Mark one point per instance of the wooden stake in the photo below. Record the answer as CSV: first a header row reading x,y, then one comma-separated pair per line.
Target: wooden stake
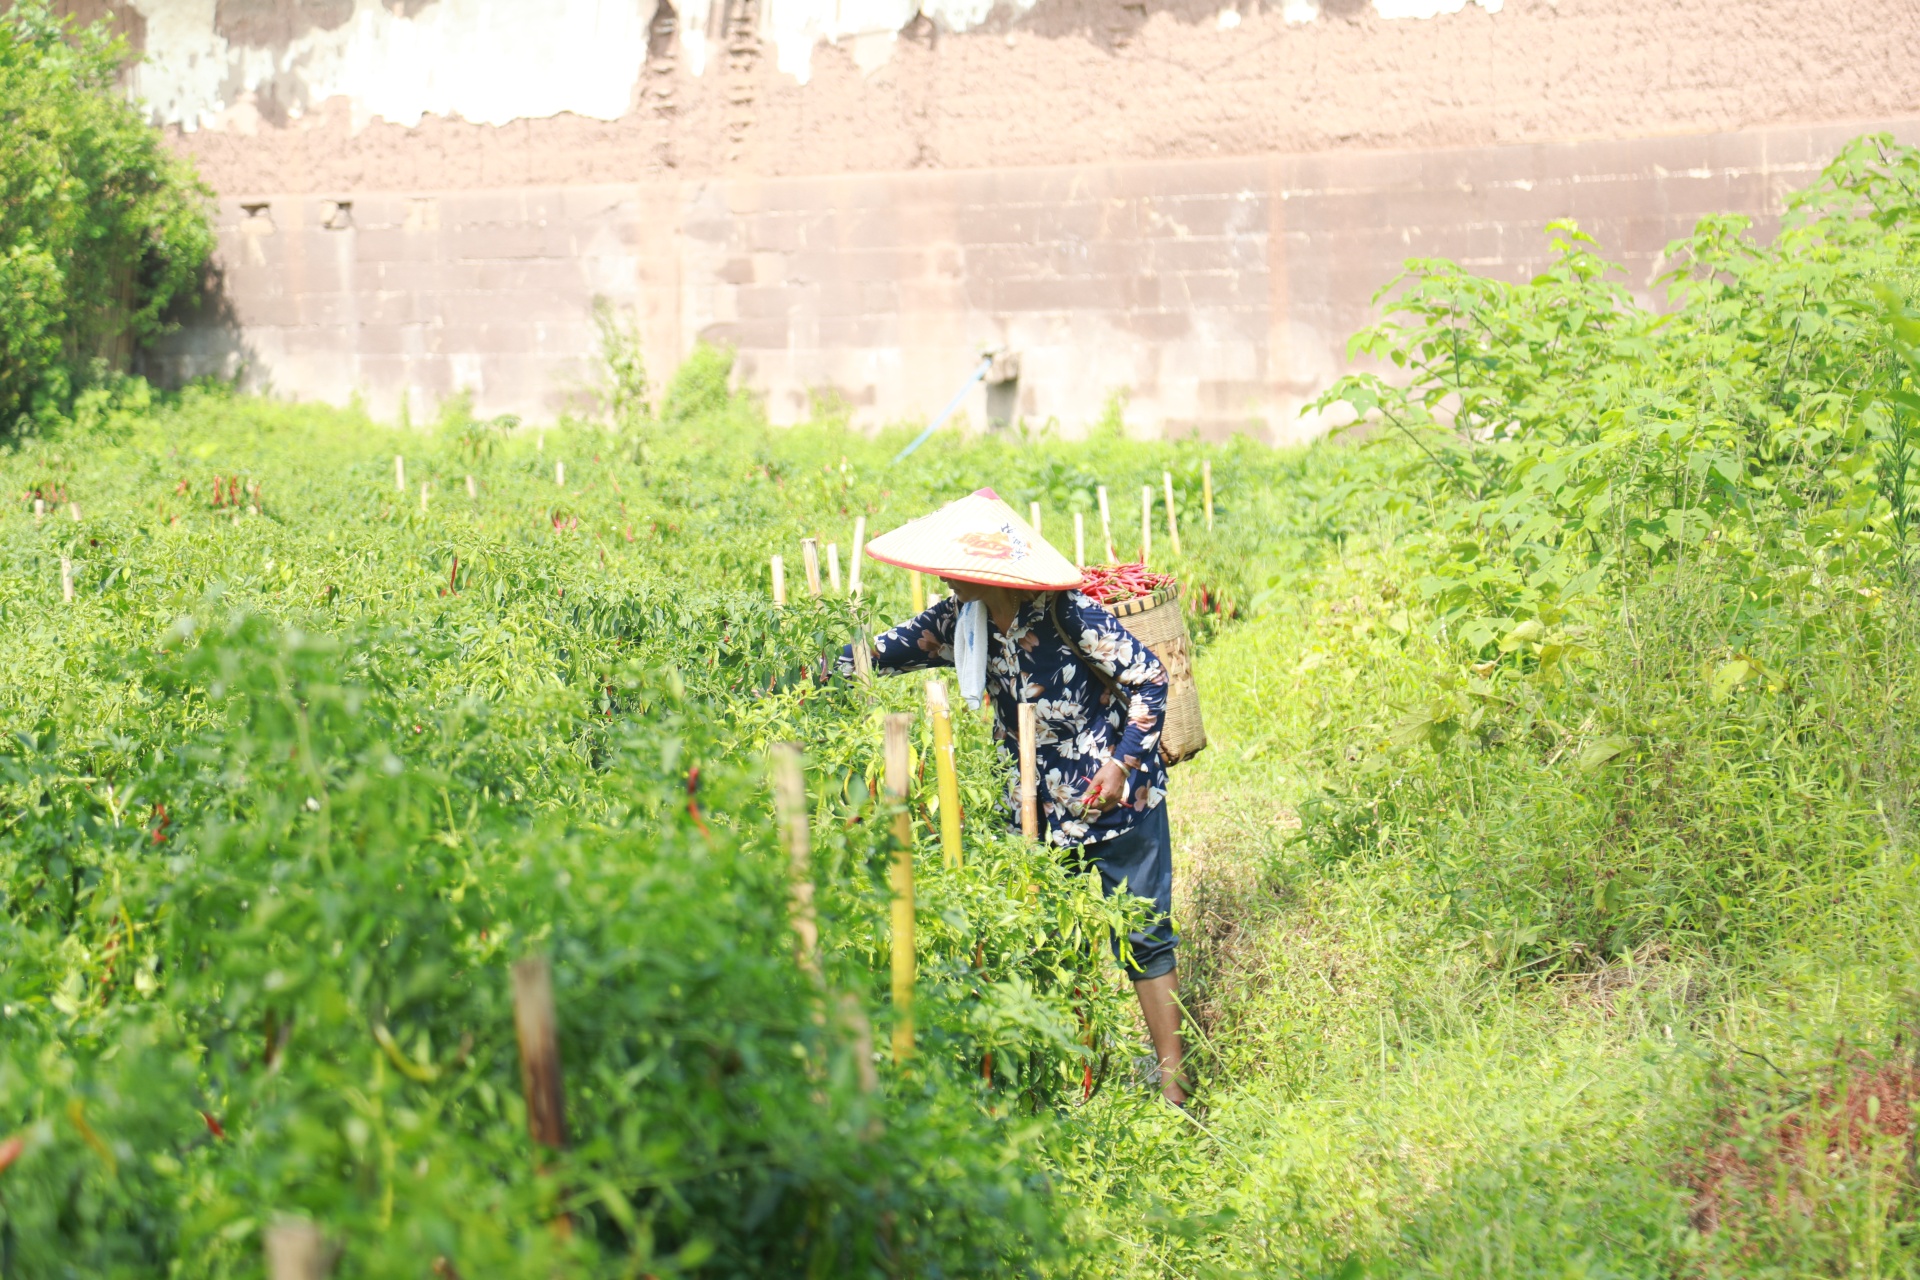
x,y
899,764
1106,523
1146,523
1033,516
537,1030
810,557
1079,541
859,542
423,495
862,655
854,1018
1029,775
943,766
73,509
917,588
39,510
1173,525
779,583
473,490
790,814
296,1251
66,579
1206,490
399,473
833,566
559,475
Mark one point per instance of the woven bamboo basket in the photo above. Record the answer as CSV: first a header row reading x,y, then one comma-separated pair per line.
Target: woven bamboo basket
x,y
1158,622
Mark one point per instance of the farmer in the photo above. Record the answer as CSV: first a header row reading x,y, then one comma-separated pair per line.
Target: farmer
x,y
1099,699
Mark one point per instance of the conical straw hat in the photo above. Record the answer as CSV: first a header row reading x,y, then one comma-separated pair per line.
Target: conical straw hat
x,y
977,538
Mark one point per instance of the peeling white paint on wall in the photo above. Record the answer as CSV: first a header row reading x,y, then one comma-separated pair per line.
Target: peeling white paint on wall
x,y
1429,8
492,63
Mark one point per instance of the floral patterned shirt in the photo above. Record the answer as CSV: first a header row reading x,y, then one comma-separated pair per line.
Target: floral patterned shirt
x,y
1079,725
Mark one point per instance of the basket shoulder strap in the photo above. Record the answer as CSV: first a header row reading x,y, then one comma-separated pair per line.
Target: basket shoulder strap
x,y
1099,672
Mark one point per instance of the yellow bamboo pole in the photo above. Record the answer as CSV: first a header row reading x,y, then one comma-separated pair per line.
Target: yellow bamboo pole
x,y
941,715
1029,775
790,814
901,944
917,586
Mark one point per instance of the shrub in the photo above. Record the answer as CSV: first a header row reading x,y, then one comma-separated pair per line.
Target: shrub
x,y
100,227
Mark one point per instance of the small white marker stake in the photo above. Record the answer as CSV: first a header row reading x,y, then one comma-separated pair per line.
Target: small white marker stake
x,y
560,475
473,490
833,566
810,558
39,509
399,473
1173,525
73,509
1079,541
423,495
66,579
779,583
859,541
1106,523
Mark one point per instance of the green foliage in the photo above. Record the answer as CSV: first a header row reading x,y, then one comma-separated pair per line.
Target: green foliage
x,y
100,226
304,766
700,386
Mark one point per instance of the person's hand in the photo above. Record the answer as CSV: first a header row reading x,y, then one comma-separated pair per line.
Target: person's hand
x,y
1106,789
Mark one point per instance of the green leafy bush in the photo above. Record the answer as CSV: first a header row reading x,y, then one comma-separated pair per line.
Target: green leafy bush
x,y
100,226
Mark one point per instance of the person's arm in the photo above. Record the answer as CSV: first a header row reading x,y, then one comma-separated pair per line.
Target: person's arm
x,y
1105,642
916,644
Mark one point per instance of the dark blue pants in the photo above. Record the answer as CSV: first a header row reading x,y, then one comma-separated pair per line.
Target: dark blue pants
x,y
1141,858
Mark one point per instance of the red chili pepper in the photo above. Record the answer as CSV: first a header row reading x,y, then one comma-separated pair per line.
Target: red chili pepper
x,y
213,1126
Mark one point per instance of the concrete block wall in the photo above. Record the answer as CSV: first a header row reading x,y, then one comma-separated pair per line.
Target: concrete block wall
x,y
1218,294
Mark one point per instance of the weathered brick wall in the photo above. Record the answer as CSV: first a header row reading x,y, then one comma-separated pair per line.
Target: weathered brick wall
x,y
1218,293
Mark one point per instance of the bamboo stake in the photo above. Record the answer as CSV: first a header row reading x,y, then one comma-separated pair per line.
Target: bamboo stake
x,y
1146,522
1206,490
535,1027
833,566
66,579
917,588
423,495
810,557
73,509
862,655
1033,516
790,813
1106,523
943,765
1079,541
859,542
399,473
296,1251
779,583
854,1018
39,510
1173,526
1029,775
559,475
473,490
898,725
